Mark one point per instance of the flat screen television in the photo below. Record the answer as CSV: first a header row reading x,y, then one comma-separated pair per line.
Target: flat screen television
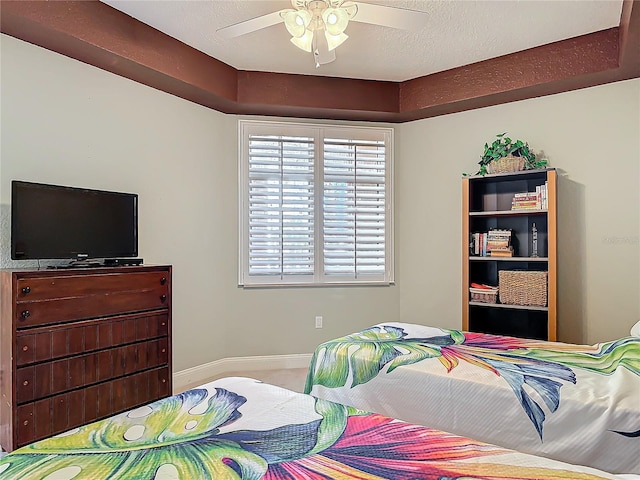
x,y
58,222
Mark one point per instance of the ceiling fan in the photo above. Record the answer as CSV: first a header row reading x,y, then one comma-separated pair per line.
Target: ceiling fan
x,y
318,26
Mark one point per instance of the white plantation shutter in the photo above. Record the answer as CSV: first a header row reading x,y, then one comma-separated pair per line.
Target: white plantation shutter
x,y
281,216
315,204
354,208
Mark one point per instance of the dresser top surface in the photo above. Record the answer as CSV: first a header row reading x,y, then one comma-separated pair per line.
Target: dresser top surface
x,y
57,272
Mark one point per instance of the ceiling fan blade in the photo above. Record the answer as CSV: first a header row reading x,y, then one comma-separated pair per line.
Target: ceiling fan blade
x,y
393,17
251,25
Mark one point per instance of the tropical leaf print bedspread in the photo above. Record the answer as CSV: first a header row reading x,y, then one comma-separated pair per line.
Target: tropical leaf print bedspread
x,y
575,403
239,428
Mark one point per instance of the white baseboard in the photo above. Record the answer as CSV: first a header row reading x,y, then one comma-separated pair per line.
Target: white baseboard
x,y
229,366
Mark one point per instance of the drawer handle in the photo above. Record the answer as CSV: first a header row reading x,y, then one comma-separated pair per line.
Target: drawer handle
x,y
25,383
163,323
26,290
25,348
164,350
164,380
163,280
25,423
25,314
163,298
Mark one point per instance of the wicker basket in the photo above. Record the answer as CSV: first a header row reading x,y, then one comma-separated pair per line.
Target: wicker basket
x,y
506,164
521,287
483,295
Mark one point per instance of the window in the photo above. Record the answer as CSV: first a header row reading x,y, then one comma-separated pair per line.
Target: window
x,y
315,204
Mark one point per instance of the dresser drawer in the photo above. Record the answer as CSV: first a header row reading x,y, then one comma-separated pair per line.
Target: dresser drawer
x,y
55,287
30,314
53,415
48,343
51,378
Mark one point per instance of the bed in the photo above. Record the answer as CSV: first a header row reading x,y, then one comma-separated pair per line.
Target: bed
x,y
575,403
239,428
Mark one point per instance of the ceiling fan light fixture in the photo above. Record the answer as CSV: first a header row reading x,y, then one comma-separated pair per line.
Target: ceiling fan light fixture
x,y
304,42
335,20
334,41
296,21
318,26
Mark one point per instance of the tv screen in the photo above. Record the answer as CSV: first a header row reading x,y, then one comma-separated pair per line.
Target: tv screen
x,y
57,222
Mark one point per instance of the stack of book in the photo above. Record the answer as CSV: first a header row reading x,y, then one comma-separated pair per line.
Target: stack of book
x,y
494,243
531,200
499,243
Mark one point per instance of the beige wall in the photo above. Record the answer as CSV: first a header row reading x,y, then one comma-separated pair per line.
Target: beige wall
x,y
69,123
593,137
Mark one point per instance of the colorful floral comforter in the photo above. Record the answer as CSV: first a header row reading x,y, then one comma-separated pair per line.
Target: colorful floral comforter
x,y
239,428
574,403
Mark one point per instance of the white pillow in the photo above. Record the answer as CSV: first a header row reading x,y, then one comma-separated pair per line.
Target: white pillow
x,y
635,330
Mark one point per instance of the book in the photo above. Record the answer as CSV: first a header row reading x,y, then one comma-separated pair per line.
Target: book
x,y
526,195
483,243
525,207
496,245
502,252
529,200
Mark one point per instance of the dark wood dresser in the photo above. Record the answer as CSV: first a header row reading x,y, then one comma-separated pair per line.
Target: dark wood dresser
x,y
79,345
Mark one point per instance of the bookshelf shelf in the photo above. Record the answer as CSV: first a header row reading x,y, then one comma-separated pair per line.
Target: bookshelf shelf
x,y
509,213
474,258
487,203
514,307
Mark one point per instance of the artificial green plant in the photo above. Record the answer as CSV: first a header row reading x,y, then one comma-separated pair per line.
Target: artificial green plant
x,y
503,147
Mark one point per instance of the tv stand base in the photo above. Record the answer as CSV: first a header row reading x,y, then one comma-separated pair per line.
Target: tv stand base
x,y
77,264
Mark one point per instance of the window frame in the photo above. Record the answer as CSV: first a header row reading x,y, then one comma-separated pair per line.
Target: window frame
x,y
318,132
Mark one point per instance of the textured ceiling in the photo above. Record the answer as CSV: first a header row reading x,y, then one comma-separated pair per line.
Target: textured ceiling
x,y
455,33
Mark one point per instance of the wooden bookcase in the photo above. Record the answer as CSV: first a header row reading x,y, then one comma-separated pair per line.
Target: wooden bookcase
x,y
486,204
79,345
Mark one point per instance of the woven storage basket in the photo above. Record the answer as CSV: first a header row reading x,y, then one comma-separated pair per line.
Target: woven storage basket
x,y
520,287
483,295
506,164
